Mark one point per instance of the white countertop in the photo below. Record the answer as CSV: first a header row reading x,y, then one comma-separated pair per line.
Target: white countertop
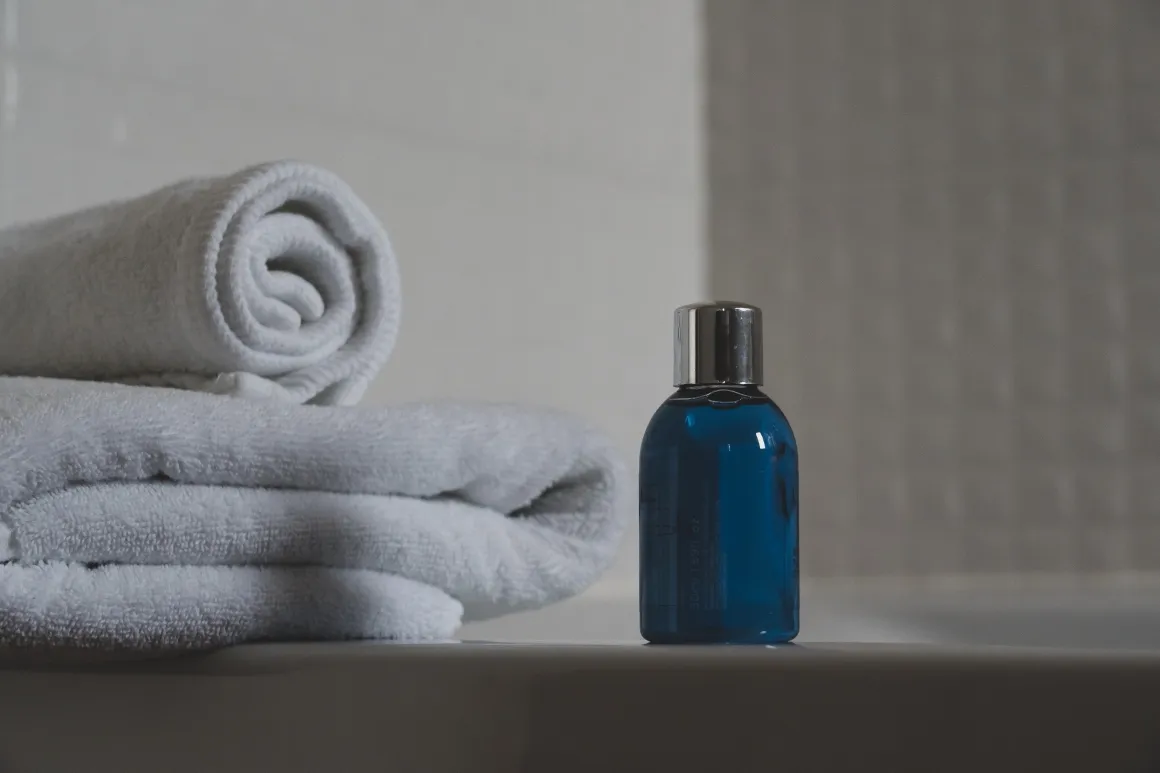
x,y
563,707
573,688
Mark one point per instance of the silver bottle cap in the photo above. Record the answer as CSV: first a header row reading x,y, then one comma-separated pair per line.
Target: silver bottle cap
x,y
717,343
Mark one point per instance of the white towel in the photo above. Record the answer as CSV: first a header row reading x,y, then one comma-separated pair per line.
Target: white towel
x,y
199,607
138,517
276,281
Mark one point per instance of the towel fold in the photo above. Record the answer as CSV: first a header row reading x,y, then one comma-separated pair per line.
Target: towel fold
x,y
200,607
215,521
276,281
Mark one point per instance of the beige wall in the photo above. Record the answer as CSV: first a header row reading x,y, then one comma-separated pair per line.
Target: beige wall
x,y
949,211
536,162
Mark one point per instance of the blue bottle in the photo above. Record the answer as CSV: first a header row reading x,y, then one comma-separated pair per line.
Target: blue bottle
x,y
718,492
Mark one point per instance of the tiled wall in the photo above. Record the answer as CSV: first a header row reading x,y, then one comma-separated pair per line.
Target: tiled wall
x,y
950,211
535,162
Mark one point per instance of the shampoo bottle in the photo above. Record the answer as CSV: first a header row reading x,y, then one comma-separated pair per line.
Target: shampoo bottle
x,y
718,492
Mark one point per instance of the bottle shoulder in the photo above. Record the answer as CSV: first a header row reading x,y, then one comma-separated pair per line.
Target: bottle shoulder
x,y
722,415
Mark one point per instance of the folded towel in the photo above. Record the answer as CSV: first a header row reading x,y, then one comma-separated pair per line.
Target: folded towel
x,y
411,510
200,607
276,281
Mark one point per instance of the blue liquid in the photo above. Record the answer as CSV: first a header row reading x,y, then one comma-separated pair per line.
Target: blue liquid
x,y
718,520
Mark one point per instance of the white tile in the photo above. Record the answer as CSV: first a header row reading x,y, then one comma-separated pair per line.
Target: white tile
x,y
881,380
1097,311
986,438
878,440
604,85
1039,434
935,496
1097,374
1100,434
1026,136
1102,496
1044,494
931,380
931,439
1144,431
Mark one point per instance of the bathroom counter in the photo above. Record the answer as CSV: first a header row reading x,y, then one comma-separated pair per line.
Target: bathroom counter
x,y
543,707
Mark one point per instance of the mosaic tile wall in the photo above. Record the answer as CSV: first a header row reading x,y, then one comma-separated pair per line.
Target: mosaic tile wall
x,y
950,212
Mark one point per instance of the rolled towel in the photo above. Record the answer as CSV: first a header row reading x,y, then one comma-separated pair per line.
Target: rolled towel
x,y
276,281
421,507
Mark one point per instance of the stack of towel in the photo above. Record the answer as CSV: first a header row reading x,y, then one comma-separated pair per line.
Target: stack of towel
x,y
179,464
